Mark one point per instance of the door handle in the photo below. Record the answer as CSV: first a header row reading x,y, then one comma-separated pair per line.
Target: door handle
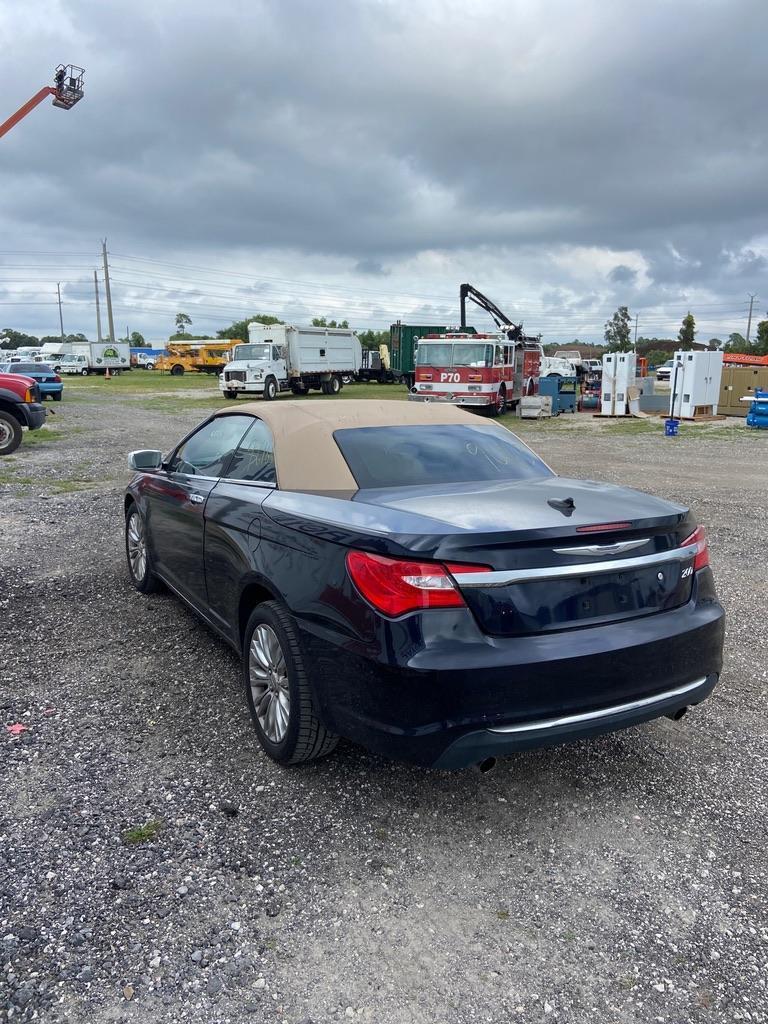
x,y
196,499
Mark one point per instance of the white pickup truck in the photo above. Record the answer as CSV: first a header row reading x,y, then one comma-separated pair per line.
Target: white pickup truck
x,y
285,358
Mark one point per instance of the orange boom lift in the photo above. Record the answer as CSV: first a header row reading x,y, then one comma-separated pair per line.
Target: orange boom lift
x,y
67,90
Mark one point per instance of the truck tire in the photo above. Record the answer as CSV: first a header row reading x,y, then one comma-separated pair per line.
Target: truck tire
x,y
10,433
177,370
500,406
270,389
325,387
334,385
149,366
230,394
84,372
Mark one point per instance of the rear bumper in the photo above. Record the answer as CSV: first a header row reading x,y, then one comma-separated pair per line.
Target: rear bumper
x,y
50,389
476,746
435,691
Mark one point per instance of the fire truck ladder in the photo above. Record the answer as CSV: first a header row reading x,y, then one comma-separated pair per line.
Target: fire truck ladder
x,y
467,291
67,90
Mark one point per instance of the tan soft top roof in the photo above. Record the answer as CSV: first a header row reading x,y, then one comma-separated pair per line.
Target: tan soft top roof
x,y
306,456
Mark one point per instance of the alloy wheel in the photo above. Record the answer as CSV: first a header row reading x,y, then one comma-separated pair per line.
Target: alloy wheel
x,y
5,435
268,677
137,548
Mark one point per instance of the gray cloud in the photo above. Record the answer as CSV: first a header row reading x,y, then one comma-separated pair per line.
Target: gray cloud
x,y
344,138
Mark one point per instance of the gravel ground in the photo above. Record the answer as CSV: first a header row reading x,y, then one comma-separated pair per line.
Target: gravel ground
x,y
621,880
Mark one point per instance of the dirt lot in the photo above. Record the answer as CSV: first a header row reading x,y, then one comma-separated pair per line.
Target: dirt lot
x,y
621,880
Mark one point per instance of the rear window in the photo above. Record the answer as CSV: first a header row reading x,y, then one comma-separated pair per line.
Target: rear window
x,y
452,454
29,368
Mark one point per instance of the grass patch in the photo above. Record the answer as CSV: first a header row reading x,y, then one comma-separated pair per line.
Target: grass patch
x,y
42,435
142,833
137,381
9,478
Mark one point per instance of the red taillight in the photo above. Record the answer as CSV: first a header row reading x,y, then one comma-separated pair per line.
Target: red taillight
x,y
395,586
56,379
699,538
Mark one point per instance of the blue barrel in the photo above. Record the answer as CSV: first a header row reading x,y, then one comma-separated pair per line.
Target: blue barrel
x,y
671,428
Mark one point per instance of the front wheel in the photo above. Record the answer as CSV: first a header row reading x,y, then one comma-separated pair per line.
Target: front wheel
x,y
177,370
137,553
230,394
10,433
84,372
270,389
500,408
277,689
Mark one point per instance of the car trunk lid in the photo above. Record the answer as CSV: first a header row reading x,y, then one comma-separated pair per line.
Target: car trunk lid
x,y
563,553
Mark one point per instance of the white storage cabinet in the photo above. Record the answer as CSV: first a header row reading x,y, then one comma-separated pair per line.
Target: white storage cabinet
x,y
618,375
698,383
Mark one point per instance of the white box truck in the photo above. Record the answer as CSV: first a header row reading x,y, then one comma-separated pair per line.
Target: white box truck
x,y
96,357
285,358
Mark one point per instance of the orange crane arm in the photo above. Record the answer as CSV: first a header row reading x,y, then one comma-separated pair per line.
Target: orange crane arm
x,y
14,119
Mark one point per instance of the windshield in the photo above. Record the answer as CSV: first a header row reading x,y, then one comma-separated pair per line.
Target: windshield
x,y
252,352
472,355
446,454
460,353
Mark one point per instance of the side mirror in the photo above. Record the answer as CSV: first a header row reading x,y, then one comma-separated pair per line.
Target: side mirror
x,y
145,460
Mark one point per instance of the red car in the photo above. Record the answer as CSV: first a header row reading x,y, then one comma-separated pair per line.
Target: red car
x,y
20,406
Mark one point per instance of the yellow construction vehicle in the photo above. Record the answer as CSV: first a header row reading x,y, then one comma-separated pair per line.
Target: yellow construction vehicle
x,y
183,358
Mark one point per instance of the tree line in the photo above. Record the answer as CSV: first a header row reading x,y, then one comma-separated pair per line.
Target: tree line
x,y
618,338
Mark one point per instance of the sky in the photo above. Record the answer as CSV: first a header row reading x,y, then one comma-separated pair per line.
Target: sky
x,y
360,159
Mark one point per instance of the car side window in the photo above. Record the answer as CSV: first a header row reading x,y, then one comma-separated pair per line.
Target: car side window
x,y
209,449
255,456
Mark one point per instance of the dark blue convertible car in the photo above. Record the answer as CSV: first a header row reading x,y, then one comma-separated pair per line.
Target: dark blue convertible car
x,y
417,580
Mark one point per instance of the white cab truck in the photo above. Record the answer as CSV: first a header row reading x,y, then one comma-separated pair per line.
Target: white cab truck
x,y
95,357
285,358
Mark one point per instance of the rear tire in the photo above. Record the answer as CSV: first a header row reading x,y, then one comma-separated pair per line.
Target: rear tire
x,y
57,396
10,433
334,385
277,689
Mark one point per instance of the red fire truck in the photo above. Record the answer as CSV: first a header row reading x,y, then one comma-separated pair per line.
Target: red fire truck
x,y
483,371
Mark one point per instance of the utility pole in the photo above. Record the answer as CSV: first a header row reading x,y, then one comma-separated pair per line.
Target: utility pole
x,y
108,293
61,318
749,319
98,313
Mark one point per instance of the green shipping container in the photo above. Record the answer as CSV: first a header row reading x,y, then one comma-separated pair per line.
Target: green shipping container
x,y
402,342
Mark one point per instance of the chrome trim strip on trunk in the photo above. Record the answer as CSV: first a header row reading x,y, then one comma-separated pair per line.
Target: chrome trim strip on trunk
x,y
505,577
594,716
